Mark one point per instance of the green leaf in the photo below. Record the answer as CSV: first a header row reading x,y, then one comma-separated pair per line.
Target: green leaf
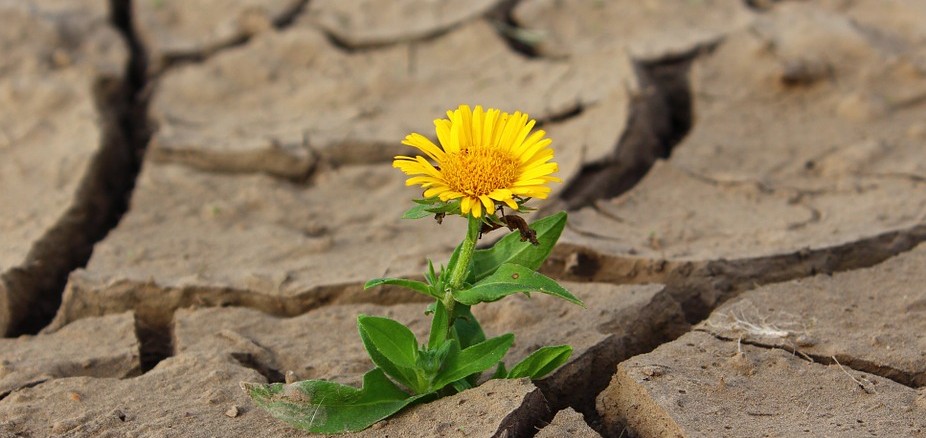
x,y
541,362
392,347
431,206
414,285
511,279
467,327
445,207
318,406
500,371
461,385
418,211
440,325
469,332
510,249
431,276
475,359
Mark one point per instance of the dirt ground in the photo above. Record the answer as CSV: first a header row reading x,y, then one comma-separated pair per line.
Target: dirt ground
x,y
193,193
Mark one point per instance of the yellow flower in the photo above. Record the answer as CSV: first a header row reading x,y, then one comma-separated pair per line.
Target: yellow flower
x,y
485,157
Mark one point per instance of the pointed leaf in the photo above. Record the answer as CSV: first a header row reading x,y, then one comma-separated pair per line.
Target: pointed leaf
x,y
510,249
318,406
511,279
418,211
500,371
445,207
541,362
391,338
414,285
429,207
431,276
475,359
468,331
466,326
440,326
461,385
392,347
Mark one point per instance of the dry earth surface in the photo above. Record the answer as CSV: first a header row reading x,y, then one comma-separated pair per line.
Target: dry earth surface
x,y
193,194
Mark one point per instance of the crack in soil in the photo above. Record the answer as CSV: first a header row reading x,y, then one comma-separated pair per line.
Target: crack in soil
x,y
519,39
283,21
355,48
155,342
102,196
910,380
154,306
528,418
660,117
703,285
32,384
251,361
578,383
761,5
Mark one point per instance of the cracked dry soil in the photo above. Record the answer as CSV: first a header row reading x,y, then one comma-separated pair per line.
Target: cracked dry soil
x,y
194,192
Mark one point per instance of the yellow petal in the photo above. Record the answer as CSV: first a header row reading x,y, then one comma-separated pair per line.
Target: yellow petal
x,y
512,125
428,168
421,180
489,126
522,135
442,128
450,194
490,206
528,143
500,194
425,145
466,204
529,152
435,191
455,127
476,128
538,171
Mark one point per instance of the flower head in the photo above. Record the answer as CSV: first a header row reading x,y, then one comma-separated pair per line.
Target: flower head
x,y
485,157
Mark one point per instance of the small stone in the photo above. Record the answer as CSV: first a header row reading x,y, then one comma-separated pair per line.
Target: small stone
x,y
232,412
653,371
291,377
741,363
805,341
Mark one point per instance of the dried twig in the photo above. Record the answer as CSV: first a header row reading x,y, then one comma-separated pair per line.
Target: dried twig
x,y
857,381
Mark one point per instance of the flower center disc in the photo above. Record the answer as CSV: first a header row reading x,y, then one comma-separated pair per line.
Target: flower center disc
x,y
479,171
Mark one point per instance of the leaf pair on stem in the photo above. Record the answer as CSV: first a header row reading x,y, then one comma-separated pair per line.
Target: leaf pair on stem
x,y
456,353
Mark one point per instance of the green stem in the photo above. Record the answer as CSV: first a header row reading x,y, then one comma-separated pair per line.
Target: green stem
x,y
461,268
466,253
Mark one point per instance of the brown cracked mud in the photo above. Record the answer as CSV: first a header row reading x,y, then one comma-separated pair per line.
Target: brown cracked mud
x,y
193,194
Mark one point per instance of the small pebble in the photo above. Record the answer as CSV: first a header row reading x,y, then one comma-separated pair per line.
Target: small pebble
x,y
232,412
291,377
